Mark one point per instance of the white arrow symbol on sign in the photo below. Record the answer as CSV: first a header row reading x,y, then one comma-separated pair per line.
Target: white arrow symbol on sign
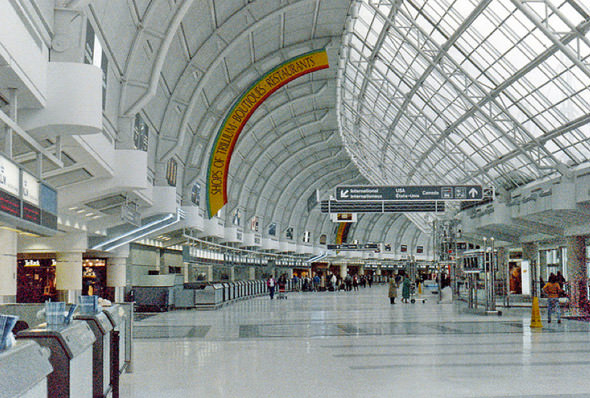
x,y
344,194
473,192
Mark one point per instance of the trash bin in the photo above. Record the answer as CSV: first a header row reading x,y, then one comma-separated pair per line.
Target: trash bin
x,y
24,368
71,358
101,326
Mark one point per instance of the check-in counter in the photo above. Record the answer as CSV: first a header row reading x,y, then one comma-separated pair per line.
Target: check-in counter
x,y
71,358
226,296
120,316
157,291
211,297
232,290
240,289
184,298
250,288
101,326
24,368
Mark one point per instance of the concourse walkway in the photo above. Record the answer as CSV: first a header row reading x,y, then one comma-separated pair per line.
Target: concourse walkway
x,y
355,344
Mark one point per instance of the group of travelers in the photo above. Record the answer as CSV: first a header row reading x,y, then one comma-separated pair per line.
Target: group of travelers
x,y
271,284
394,283
334,282
331,282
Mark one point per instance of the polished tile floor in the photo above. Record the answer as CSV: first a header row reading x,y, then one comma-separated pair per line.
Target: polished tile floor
x,y
355,344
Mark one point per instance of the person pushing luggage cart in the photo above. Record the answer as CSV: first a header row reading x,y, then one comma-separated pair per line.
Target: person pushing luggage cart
x,y
282,282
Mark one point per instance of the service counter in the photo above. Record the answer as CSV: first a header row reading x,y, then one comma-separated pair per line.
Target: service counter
x,y
101,326
241,289
71,357
226,295
232,290
121,316
211,297
157,291
24,368
184,298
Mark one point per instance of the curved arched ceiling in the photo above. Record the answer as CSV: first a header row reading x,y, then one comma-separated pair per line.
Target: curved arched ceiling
x,y
492,91
418,92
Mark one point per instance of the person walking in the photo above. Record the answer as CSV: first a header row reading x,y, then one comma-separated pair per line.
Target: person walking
x,y
405,289
553,290
333,282
316,283
348,282
355,282
392,290
271,283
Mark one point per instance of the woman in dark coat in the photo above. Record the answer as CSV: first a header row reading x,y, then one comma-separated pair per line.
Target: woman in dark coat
x,y
405,289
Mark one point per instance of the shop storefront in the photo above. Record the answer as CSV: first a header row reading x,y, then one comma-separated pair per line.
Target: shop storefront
x,y
35,278
36,275
94,276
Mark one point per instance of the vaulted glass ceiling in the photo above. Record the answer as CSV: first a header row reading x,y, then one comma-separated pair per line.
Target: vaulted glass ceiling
x,y
466,91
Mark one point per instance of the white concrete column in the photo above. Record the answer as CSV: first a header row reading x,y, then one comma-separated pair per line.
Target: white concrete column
x,y
361,270
232,274
252,273
343,271
117,276
185,270
8,250
378,270
209,273
68,249
68,275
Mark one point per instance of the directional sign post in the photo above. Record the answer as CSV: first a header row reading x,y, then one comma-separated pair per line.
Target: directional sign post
x,y
352,246
409,193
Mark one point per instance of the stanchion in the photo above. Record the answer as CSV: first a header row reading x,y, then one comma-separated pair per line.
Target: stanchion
x,y
115,363
536,314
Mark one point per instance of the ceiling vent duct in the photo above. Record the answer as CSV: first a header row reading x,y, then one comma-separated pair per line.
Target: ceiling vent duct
x,y
317,258
141,232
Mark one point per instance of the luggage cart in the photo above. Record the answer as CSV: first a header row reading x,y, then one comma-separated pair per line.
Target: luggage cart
x,y
412,271
414,295
281,293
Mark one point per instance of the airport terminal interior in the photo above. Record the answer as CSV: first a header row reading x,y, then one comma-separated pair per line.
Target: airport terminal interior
x,y
298,198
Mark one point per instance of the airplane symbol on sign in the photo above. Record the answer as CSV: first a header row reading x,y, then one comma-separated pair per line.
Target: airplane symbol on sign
x,y
473,193
344,194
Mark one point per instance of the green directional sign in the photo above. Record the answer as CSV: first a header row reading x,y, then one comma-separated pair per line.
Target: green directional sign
x,y
409,193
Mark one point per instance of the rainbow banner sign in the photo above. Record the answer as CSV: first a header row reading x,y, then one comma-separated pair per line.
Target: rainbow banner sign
x,y
243,108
